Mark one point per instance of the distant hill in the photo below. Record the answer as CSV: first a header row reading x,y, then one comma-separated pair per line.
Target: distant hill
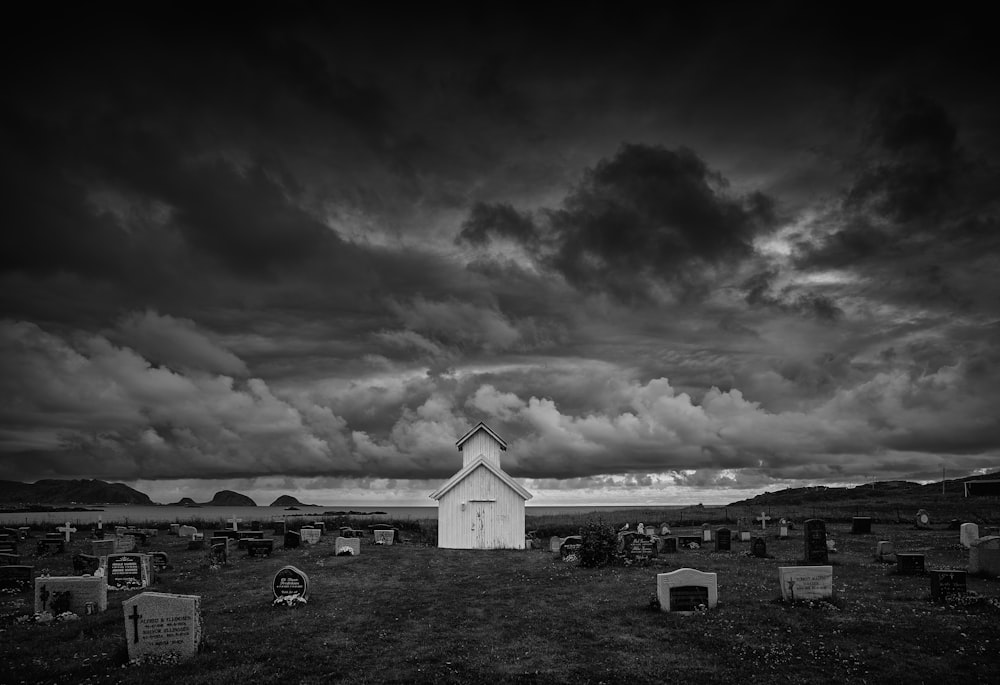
x,y
184,502
228,498
70,491
286,501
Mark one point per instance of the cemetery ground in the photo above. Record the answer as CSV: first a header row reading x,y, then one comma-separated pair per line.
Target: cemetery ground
x,y
414,613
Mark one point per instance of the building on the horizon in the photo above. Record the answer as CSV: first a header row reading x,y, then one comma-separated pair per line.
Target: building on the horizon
x,y
481,507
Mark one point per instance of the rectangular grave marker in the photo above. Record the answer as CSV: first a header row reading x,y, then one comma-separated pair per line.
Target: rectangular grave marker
x,y
909,563
984,556
814,540
158,624
641,551
384,537
885,551
310,536
805,583
969,533
723,540
946,582
128,571
353,544
260,548
686,590
57,594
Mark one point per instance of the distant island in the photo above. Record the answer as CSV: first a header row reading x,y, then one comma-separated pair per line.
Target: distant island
x,y
223,498
289,501
48,492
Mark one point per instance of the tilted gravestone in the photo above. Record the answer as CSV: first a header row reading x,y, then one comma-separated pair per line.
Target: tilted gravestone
x,y
969,534
723,540
159,624
805,583
814,541
909,563
290,581
218,553
16,578
80,594
341,545
861,525
128,571
946,583
687,590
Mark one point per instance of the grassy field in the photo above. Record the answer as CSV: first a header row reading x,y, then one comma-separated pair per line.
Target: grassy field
x,y
414,613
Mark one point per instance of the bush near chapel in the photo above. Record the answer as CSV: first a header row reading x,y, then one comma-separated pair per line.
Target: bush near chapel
x,y
600,543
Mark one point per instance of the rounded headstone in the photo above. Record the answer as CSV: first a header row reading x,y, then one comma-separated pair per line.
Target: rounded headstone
x,y
290,580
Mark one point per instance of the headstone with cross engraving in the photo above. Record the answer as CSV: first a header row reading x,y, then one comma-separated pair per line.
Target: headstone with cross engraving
x,y
763,518
159,624
234,521
68,530
79,594
804,583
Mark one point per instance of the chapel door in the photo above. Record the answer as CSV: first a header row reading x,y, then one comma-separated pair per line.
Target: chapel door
x,y
482,525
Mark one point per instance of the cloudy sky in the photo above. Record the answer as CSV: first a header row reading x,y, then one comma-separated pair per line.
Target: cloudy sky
x,y
670,257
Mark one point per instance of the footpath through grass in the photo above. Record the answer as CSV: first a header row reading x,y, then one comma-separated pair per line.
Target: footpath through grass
x,y
408,613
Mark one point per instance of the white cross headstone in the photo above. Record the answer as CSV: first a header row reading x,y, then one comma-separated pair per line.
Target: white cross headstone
x,y
67,529
234,521
763,518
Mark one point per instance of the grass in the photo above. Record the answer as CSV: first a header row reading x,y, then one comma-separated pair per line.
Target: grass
x,y
414,613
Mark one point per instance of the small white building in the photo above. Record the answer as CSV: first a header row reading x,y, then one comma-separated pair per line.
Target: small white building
x,y
481,507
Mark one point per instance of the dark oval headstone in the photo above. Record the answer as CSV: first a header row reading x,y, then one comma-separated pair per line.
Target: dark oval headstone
x,y
290,580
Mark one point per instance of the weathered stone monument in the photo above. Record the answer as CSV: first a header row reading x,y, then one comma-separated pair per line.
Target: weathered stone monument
x,y
128,571
984,556
158,624
804,583
343,544
687,590
384,537
969,534
923,520
885,551
80,594
310,536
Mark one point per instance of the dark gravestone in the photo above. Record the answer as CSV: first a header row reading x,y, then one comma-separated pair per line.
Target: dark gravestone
x,y
686,541
218,554
909,563
17,578
668,545
85,564
292,539
290,581
260,548
861,525
571,546
227,533
758,548
723,540
125,572
160,561
814,539
642,550
49,546
945,583
688,597
8,559
279,527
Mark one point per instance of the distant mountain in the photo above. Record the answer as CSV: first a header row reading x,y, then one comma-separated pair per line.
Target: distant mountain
x,y
228,498
184,502
70,491
286,501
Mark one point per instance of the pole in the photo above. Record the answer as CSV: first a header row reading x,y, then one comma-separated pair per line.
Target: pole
x,y
942,479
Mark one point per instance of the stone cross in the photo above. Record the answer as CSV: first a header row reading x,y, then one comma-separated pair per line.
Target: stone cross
x,y
234,521
67,529
763,518
135,622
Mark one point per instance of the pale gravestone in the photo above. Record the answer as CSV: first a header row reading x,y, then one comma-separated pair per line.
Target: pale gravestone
x,y
969,534
344,544
384,537
814,540
687,590
186,531
234,521
310,536
804,583
68,530
128,571
783,529
290,582
555,542
706,533
124,544
763,518
80,594
158,624
984,556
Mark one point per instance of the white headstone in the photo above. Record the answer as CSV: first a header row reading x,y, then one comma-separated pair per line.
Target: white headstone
x,y
805,582
384,537
310,536
353,544
159,624
68,530
235,521
969,533
763,518
687,589
186,531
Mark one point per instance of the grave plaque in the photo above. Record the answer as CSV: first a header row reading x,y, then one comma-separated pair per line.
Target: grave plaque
x,y
814,540
861,525
57,594
969,534
642,550
354,544
804,583
384,537
292,539
85,564
706,533
124,544
909,563
946,582
758,548
310,536
290,581
687,589
158,624
260,548
128,571
723,540
16,578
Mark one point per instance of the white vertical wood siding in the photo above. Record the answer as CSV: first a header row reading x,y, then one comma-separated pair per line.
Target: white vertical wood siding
x,y
481,444
493,517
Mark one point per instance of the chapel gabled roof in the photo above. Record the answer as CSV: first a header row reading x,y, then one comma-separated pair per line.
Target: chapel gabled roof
x,y
480,461
481,426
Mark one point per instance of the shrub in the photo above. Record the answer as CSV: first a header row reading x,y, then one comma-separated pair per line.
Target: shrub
x,y
600,541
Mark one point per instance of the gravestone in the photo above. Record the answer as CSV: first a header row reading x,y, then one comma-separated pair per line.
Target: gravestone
x,y
85,564
68,530
571,546
923,521
814,540
641,551
763,518
885,551
16,578
160,561
279,526
234,522
782,530
969,534
667,545
48,546
310,536
555,542
758,547
218,554
124,544
159,624
745,536
723,540
686,590
292,539
384,537
186,531
909,563
196,543
102,548
946,582
342,544
290,581
706,533
175,529
984,556
805,583
260,548
861,525
128,571
82,595
686,541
